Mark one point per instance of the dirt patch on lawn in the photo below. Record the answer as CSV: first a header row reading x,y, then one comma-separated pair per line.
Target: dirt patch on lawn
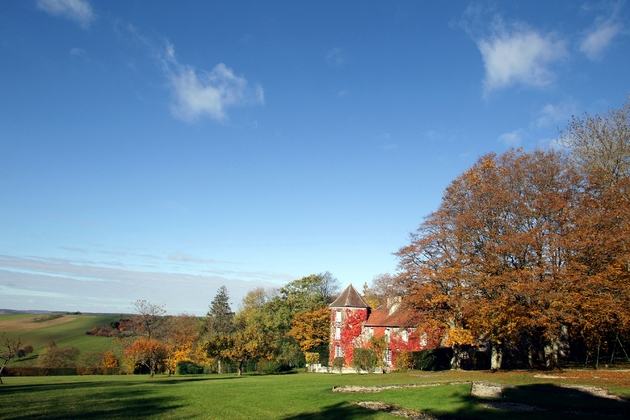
x,y
29,323
395,410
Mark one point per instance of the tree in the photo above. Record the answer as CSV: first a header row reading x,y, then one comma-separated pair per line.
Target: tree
x,y
311,329
9,350
57,357
329,285
218,324
150,317
146,352
600,144
180,339
491,262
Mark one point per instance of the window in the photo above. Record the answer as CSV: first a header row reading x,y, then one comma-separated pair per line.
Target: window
x,y
387,334
338,316
388,357
337,333
405,335
371,331
337,351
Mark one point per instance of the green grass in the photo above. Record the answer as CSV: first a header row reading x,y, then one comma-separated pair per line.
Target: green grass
x,y
289,396
69,333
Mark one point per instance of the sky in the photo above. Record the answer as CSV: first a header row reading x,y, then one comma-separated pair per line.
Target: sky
x,y
158,150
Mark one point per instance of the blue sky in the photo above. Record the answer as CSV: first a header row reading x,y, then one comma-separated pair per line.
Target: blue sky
x,y
158,150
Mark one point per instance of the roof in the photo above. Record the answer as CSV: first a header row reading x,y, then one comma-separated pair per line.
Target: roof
x,y
389,317
349,298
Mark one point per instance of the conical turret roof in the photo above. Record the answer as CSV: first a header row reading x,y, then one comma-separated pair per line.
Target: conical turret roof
x,y
349,298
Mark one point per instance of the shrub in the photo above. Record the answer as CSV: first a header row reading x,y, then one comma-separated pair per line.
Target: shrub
x,y
338,363
433,359
364,359
185,367
404,360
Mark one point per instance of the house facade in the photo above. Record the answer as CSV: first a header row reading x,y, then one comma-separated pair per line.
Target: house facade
x,y
353,324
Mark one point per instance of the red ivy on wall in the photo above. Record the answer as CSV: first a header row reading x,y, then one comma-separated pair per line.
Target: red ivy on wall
x,y
350,331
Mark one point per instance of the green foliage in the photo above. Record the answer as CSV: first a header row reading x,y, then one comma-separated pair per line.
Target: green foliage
x,y
433,359
365,359
185,367
220,318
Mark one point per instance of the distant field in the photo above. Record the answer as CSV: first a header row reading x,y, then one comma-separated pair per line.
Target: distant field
x,y
309,396
66,330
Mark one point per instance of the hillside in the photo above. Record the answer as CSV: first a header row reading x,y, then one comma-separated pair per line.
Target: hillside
x,y
40,329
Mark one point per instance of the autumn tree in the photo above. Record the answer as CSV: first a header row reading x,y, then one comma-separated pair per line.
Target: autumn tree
x,y
146,352
311,329
180,337
9,348
491,262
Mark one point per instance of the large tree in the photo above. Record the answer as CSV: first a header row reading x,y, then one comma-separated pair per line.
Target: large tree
x,y
490,263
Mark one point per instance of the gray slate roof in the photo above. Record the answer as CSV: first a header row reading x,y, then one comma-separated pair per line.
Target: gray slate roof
x,y
349,298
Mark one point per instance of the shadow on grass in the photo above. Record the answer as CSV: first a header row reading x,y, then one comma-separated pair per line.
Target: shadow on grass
x,y
94,404
539,401
340,411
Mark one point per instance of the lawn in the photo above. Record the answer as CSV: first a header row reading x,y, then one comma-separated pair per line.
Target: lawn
x,y
303,396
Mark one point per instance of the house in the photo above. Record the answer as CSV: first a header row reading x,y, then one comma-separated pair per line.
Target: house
x,y
354,323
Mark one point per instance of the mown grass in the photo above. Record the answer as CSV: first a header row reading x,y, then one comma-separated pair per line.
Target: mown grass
x,y
293,396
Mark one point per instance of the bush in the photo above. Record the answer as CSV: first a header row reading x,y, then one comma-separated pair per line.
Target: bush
x,y
364,359
338,363
433,359
185,367
404,360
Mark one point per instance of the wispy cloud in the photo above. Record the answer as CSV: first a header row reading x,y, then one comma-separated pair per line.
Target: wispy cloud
x,y
60,284
512,139
517,54
597,38
555,113
187,258
78,11
199,93
335,57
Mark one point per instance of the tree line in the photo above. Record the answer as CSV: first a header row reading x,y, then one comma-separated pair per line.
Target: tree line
x,y
528,253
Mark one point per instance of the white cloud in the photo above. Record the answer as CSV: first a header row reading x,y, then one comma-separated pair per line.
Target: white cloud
x,y
554,113
200,93
601,34
511,139
519,55
79,11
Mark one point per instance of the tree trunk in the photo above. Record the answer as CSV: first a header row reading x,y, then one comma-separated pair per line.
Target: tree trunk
x,y
219,370
456,360
551,354
240,368
599,345
496,357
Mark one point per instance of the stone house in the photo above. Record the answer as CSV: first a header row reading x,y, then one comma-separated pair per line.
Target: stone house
x,y
353,324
